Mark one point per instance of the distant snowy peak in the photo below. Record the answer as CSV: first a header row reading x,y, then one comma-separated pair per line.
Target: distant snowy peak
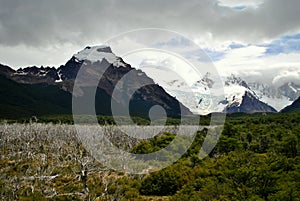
x,y
241,98
249,104
99,53
201,97
290,90
207,80
176,84
235,88
265,90
233,80
200,86
278,97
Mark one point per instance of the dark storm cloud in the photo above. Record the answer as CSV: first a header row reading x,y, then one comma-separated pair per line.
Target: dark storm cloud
x,y
44,22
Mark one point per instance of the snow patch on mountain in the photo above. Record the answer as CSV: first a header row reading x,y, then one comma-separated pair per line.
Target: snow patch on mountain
x,y
20,73
291,87
98,53
59,77
271,95
234,94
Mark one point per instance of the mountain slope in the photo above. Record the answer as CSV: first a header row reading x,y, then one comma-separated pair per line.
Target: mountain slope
x,y
23,100
250,104
294,107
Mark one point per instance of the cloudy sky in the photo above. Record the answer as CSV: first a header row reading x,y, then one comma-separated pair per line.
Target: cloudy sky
x,y
254,38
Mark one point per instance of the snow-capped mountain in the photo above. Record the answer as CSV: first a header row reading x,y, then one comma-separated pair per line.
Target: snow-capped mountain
x,y
277,97
202,98
239,97
68,71
271,95
196,97
98,53
292,91
94,61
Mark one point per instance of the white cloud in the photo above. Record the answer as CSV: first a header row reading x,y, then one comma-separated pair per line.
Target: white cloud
x,y
24,56
287,76
169,65
253,65
40,24
241,59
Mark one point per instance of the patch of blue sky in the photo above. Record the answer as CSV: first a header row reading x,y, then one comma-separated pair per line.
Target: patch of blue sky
x,y
206,55
285,44
236,46
214,55
239,7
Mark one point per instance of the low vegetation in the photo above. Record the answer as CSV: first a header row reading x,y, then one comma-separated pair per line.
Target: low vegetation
x,y
256,158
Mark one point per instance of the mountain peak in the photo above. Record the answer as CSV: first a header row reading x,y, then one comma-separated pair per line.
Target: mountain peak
x,y
99,53
232,79
100,48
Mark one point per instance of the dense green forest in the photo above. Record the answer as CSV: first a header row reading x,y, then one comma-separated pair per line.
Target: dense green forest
x,y
257,158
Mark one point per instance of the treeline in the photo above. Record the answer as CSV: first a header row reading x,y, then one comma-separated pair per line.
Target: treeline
x,y
109,120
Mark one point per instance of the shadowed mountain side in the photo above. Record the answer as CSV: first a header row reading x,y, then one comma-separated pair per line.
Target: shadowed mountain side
x,y
294,107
